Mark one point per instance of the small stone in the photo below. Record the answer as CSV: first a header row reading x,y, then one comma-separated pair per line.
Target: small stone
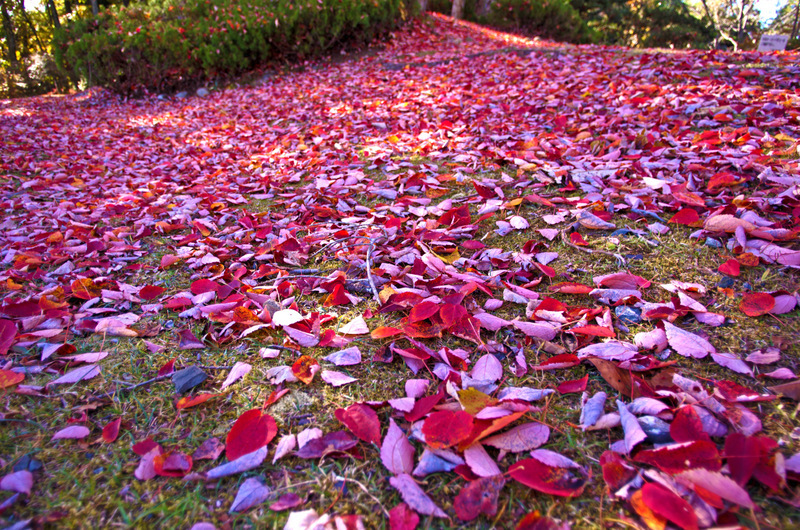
x,y
713,243
747,287
628,315
202,92
188,378
726,282
656,429
182,95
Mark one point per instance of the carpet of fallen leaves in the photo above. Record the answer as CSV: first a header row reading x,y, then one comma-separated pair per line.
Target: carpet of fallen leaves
x,y
458,207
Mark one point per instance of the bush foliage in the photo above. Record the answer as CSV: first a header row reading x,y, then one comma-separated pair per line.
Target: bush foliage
x,y
549,19
169,45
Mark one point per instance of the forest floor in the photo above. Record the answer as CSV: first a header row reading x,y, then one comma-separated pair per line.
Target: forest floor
x,y
469,280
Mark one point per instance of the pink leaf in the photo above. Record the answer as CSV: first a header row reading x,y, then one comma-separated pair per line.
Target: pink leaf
x,y
520,438
347,357
397,453
238,371
686,343
334,378
19,481
8,331
480,462
717,483
487,368
633,431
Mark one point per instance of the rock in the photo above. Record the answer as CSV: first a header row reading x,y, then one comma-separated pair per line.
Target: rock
x,y
181,95
202,92
656,429
713,243
628,315
726,282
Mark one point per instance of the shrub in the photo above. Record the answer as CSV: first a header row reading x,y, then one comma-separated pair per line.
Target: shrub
x,y
171,44
550,19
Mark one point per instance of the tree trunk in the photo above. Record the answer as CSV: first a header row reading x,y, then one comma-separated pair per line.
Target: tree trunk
x,y
423,6
95,8
11,47
27,18
458,9
51,9
796,15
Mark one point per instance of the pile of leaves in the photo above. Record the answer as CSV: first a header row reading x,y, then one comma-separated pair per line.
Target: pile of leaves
x,y
460,280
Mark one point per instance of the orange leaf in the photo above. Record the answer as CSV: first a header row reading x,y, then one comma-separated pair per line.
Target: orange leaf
x,y
191,401
304,368
9,378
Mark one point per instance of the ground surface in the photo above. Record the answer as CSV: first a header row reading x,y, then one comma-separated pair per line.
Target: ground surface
x,y
489,234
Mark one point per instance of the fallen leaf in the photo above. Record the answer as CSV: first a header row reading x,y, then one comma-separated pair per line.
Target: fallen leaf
x,y
414,497
251,493
251,431
478,497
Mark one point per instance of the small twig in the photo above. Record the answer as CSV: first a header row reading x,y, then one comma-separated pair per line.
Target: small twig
x,y
214,367
569,243
365,490
369,272
130,388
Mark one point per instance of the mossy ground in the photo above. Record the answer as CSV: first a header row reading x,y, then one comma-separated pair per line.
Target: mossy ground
x,y
90,483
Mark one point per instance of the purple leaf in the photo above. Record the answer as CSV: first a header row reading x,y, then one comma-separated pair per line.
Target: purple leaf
x,y
536,329
240,465
612,350
347,357
592,409
78,374
732,362
553,459
251,493
413,495
633,431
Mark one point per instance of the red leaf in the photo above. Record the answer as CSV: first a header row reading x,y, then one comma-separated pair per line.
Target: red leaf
x,y
578,240
188,341
172,464
686,216
204,286
401,517
680,457
144,447
742,454
446,428
209,450
570,387
252,431
423,310
478,497
9,378
593,330
616,472
564,360
337,297
148,292
167,368
670,506
304,368
8,332
362,421
687,426
757,304
730,267
571,288
111,430
559,481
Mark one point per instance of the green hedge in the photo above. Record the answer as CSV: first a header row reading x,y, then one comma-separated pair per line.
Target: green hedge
x,y
549,19
173,44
